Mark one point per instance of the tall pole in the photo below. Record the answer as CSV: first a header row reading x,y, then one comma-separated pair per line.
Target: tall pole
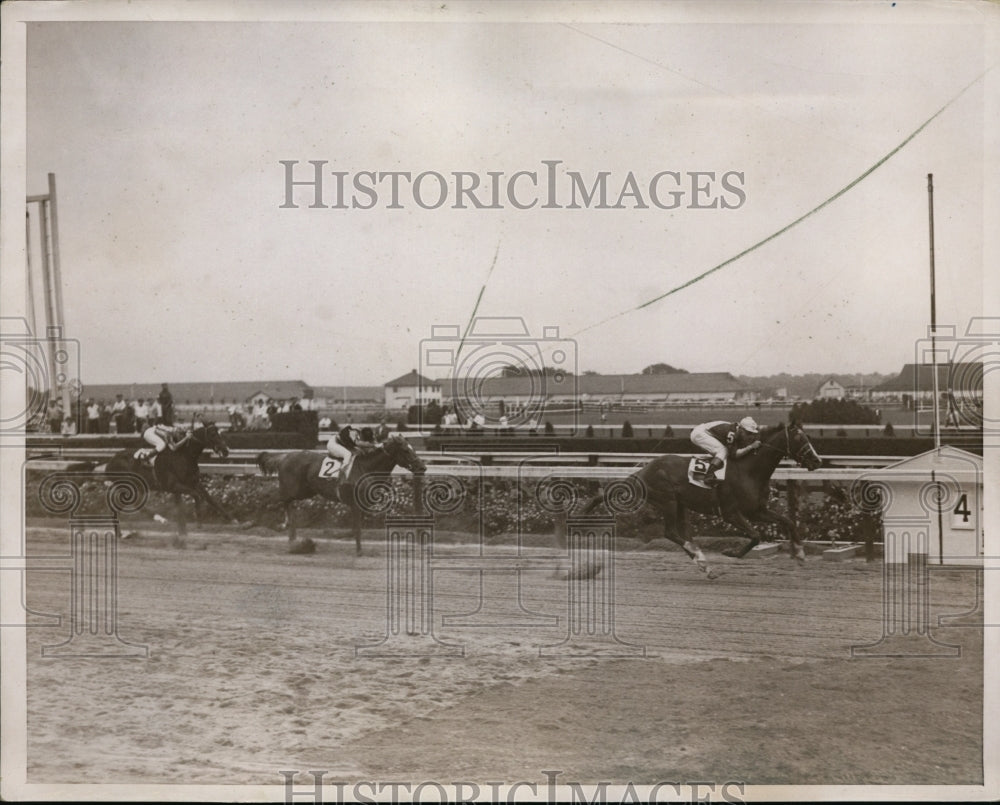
x,y
57,284
934,373
31,290
50,310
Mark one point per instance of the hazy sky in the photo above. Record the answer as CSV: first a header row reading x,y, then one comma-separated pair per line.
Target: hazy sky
x,y
180,263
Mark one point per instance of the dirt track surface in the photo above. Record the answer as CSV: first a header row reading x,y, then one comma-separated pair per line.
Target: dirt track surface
x,y
252,669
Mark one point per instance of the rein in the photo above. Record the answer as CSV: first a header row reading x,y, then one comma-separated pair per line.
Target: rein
x,y
788,447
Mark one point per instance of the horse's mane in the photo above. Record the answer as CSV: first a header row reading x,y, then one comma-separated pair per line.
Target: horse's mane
x,y
770,430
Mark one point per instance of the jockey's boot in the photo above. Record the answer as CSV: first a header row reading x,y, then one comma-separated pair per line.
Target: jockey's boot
x,y
709,479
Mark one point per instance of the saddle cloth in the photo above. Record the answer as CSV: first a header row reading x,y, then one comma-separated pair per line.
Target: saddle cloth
x,y
332,468
696,470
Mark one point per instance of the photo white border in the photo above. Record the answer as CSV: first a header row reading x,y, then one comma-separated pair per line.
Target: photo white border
x,y
12,289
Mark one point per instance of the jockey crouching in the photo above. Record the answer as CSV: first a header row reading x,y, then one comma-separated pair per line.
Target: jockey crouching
x,y
724,439
164,436
345,444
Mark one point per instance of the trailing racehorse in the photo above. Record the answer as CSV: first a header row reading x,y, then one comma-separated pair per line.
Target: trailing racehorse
x,y
301,475
741,499
176,471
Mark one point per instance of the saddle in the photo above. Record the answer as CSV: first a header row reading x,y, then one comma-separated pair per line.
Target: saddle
x,y
697,469
145,455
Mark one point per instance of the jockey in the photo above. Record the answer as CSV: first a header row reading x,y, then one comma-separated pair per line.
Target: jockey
x,y
723,439
163,436
346,443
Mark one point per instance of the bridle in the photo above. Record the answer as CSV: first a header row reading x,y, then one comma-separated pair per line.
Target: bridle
x,y
799,454
200,435
412,462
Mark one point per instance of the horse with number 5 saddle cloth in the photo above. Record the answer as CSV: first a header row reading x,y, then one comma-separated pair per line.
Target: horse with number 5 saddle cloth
x,y
669,484
304,474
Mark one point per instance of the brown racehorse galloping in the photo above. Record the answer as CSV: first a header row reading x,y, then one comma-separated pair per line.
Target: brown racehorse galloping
x,y
741,499
176,471
299,479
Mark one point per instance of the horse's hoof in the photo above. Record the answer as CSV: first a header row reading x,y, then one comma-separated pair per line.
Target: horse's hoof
x,y
730,553
712,574
302,546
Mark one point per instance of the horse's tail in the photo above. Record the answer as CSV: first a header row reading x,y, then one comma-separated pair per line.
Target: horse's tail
x,y
268,463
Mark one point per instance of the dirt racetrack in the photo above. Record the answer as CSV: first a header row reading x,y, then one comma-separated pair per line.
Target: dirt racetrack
x,y
252,669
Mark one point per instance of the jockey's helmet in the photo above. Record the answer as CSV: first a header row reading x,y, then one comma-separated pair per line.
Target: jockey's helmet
x,y
748,424
347,436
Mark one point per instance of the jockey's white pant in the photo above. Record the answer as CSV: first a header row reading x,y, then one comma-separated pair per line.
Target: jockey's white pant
x,y
707,442
153,437
337,450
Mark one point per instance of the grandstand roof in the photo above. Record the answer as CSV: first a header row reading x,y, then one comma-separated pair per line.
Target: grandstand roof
x,y
686,383
205,392
413,379
919,377
350,393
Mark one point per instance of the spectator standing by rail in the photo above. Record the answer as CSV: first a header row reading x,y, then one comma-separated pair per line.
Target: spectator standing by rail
x,y
103,417
141,416
166,400
93,417
55,416
127,422
117,413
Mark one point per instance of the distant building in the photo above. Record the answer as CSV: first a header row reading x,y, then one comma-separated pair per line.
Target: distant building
x,y
707,387
916,381
830,389
332,396
411,389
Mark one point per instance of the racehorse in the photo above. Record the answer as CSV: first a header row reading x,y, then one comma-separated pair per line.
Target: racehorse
x,y
741,497
299,478
176,471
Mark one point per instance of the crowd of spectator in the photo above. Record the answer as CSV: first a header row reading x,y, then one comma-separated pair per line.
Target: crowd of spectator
x,y
134,416
260,415
111,416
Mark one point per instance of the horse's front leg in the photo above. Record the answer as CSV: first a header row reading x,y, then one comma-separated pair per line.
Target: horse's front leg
x,y
737,519
202,494
356,528
797,549
181,520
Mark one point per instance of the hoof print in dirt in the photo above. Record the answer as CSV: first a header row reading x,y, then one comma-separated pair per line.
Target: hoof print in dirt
x,y
587,570
302,546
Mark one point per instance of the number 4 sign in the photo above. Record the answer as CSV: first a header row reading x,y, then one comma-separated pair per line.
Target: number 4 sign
x,y
963,517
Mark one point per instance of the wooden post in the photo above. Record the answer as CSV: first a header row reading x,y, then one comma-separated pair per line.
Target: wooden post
x,y
50,313
31,291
